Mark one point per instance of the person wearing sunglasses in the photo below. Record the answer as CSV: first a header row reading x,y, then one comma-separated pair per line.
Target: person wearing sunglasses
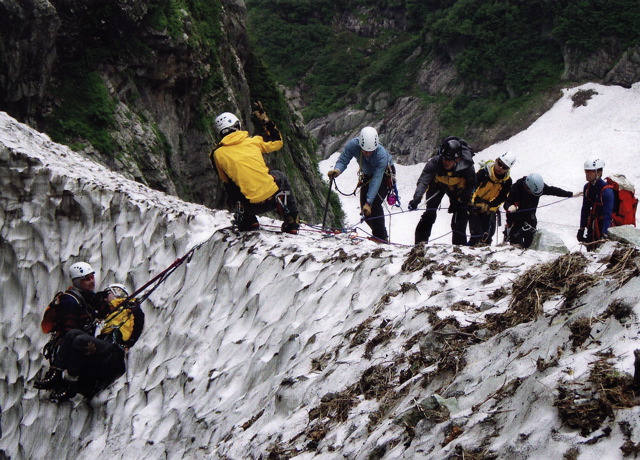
x,y
493,186
598,202
72,312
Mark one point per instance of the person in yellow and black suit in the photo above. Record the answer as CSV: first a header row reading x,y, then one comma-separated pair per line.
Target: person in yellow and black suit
x,y
251,187
493,186
94,363
450,172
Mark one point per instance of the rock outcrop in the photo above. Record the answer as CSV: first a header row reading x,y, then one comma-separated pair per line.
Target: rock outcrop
x,y
167,71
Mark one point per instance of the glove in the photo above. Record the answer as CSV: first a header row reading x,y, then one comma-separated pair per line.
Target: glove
x,y
259,113
413,204
482,207
366,209
512,208
580,236
333,173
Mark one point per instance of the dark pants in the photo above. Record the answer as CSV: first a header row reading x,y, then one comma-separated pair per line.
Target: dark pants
x,y
594,231
459,218
482,226
96,362
250,210
521,230
376,220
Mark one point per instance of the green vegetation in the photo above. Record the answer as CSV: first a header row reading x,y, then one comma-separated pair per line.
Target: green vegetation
x,y
301,46
587,23
86,113
507,51
168,15
500,43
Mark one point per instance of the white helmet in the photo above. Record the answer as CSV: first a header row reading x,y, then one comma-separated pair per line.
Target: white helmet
x,y
593,164
80,269
226,123
368,139
535,183
508,159
119,291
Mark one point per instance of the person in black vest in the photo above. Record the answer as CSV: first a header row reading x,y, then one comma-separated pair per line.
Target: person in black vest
x,y
98,361
450,172
521,206
81,362
76,310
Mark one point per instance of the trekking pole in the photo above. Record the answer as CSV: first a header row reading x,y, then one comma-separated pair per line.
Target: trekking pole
x,y
326,206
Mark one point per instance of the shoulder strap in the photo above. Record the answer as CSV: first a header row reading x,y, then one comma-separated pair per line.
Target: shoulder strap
x,y
76,296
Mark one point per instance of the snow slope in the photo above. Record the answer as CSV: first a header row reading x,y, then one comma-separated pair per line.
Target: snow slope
x,y
266,345
555,146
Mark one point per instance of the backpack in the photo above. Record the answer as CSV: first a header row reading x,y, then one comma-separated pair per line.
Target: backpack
x,y
626,203
50,316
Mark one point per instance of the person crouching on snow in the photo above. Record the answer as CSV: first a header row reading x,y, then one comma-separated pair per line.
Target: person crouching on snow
x,y
251,187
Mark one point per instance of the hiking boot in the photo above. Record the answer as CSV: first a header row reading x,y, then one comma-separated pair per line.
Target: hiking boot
x,y
52,379
291,224
68,391
248,227
249,223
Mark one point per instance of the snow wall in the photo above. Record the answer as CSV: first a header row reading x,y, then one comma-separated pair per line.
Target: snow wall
x,y
250,347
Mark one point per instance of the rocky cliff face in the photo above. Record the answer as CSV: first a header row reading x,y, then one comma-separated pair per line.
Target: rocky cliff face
x,y
409,127
165,71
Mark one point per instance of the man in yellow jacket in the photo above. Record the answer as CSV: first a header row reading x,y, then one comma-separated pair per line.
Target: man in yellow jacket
x,y
253,189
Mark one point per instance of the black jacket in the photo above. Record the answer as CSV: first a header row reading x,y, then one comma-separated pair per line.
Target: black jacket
x,y
527,202
458,183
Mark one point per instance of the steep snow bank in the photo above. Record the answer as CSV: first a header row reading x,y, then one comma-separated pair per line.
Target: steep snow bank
x,y
309,346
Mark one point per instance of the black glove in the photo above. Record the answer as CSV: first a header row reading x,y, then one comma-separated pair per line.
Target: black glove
x,y
259,113
580,236
413,204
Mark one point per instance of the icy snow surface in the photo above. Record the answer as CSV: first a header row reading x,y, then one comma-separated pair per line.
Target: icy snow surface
x,y
248,343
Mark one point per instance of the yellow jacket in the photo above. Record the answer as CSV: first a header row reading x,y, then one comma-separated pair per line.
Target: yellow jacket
x,y
128,321
238,157
491,189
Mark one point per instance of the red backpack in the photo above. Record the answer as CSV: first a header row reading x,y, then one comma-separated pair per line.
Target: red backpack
x,y
50,317
626,203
